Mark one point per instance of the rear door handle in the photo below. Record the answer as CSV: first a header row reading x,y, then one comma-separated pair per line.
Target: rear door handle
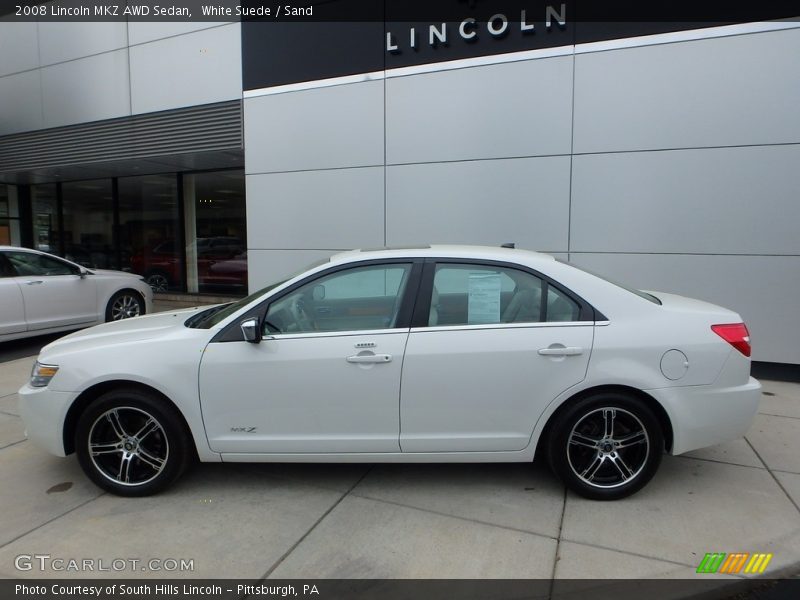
x,y
562,351
37,282
370,358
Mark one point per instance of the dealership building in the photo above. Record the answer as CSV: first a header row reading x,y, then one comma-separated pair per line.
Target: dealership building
x,y
219,156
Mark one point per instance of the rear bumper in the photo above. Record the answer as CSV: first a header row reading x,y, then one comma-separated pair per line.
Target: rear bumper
x,y
705,415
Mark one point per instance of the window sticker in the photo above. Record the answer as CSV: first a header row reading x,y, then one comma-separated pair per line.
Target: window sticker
x,y
483,305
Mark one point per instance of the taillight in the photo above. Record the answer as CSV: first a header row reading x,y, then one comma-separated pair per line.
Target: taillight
x,y
736,335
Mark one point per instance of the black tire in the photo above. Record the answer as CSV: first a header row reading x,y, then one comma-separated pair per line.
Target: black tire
x,y
125,304
599,465
136,436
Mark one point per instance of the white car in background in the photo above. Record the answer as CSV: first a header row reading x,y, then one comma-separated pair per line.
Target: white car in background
x,y
435,354
41,293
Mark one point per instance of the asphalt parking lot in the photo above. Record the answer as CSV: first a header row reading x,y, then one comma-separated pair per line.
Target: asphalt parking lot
x,y
408,521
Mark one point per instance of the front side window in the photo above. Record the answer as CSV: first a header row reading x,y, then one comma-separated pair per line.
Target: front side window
x,y
485,295
357,299
29,264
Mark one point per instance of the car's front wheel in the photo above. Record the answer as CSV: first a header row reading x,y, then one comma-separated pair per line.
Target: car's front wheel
x,y
606,446
132,443
124,305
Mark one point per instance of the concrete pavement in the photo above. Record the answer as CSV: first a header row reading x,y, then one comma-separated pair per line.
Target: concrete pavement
x,y
409,521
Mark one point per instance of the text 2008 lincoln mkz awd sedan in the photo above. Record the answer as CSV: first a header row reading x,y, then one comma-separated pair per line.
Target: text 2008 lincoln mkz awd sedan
x,y
435,354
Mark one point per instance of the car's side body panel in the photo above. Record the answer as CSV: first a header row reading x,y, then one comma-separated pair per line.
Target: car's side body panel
x,y
12,308
482,388
299,393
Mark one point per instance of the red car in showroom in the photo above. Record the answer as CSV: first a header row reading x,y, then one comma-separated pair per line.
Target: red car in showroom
x,y
221,261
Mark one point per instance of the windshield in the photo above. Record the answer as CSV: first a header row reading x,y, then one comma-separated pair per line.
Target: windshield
x,y
207,319
640,293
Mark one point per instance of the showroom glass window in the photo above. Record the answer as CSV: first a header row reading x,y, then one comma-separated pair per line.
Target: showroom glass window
x,y
149,230
45,217
484,295
88,223
216,232
9,216
356,299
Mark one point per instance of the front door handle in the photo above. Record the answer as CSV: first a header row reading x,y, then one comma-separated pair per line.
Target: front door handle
x,y
561,351
370,358
37,282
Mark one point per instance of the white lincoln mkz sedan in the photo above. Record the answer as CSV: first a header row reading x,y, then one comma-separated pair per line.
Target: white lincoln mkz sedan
x,y
41,293
435,354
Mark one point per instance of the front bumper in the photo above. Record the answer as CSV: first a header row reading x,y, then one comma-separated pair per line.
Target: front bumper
x,y
44,411
705,415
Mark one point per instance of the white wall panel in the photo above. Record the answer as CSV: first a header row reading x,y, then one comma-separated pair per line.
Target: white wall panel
x,y
718,200
88,89
340,208
60,41
19,49
515,109
713,92
265,267
525,201
187,70
339,126
762,289
21,102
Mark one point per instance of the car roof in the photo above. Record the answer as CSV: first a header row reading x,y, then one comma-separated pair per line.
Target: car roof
x,y
445,251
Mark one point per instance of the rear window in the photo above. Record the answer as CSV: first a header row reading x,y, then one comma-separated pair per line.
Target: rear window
x,y
640,293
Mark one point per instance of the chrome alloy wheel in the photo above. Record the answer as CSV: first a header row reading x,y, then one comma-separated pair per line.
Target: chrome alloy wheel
x,y
128,446
608,447
125,306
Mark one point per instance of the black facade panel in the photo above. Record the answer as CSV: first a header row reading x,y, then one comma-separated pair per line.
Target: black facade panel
x,y
279,53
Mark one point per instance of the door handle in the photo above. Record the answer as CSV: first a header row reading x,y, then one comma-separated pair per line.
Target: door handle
x,y
562,351
370,358
37,282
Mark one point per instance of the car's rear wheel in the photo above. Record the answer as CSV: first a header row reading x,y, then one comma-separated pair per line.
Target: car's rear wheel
x,y
132,443
124,305
606,446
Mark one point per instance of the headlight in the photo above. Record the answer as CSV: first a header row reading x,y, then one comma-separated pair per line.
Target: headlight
x,y
42,374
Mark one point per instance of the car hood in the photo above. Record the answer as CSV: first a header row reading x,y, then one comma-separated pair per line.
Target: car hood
x,y
109,272
126,330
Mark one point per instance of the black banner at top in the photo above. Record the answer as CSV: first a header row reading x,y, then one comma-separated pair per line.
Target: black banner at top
x,y
379,11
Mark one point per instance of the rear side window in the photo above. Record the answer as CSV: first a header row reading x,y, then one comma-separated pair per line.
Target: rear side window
x,y
483,295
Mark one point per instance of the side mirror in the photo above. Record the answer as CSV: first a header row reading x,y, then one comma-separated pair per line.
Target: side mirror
x,y
83,272
251,330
